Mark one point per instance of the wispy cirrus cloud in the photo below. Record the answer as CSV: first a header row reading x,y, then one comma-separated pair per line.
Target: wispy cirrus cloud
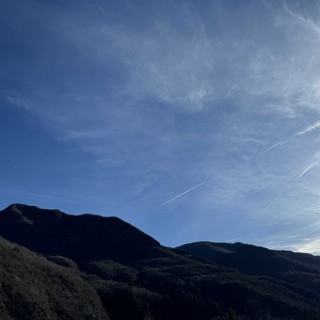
x,y
191,92
312,246
16,102
300,236
305,130
192,66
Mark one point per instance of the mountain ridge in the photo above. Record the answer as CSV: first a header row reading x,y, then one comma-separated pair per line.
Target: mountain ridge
x,y
55,232
136,278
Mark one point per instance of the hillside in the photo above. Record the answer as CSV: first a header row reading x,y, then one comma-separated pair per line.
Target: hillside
x,y
133,277
300,268
31,287
81,238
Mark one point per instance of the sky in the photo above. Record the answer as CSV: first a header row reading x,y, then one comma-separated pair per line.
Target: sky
x,y
192,120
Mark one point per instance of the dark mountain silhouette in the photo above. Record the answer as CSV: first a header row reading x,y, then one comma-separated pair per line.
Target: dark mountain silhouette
x,y
81,238
300,268
252,259
98,262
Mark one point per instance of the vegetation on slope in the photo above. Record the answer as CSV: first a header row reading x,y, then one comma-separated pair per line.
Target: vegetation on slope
x,y
138,279
33,288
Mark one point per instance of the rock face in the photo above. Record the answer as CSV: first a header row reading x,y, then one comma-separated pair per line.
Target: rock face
x,y
94,267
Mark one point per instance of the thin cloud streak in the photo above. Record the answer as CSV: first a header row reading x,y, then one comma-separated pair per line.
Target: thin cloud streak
x,y
288,186
313,126
305,171
181,194
305,130
278,144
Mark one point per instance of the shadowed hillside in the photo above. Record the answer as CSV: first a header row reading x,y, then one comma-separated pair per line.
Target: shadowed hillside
x,y
33,288
299,268
133,277
81,238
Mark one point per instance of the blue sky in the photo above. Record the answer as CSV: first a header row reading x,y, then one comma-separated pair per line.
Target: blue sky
x,y
193,120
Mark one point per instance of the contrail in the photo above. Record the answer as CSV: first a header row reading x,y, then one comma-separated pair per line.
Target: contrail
x,y
305,171
309,128
181,194
288,186
278,144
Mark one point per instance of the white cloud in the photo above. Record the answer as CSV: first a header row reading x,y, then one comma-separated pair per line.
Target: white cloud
x,y
17,102
191,66
312,246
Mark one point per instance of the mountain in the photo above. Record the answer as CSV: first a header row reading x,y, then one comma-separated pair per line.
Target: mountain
x,y
31,287
299,268
93,267
81,238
